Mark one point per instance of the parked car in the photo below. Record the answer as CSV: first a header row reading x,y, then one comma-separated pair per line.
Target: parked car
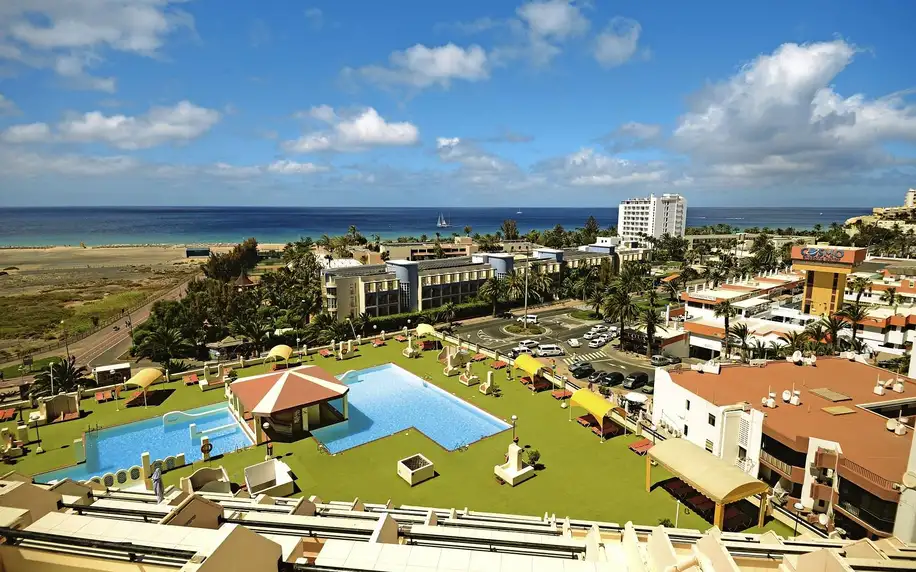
x,y
599,328
573,342
517,351
613,329
659,361
649,389
613,378
590,335
595,377
529,318
528,344
673,359
597,342
636,380
549,350
507,315
582,369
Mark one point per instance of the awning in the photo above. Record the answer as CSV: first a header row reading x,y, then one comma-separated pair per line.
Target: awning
x,y
282,351
528,364
423,329
598,406
718,480
145,377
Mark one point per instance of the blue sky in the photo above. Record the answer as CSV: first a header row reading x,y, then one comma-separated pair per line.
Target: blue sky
x,y
164,102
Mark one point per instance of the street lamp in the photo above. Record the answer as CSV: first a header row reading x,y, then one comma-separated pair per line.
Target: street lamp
x,y
514,420
798,508
267,445
38,450
352,329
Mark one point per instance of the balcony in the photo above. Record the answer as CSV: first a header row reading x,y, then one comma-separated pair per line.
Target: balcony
x,y
825,459
794,474
847,467
821,492
876,524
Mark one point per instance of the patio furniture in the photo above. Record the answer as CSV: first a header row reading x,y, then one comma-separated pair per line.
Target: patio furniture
x,y
587,420
400,338
607,428
7,414
641,447
103,396
479,357
271,477
325,353
561,394
378,343
514,470
67,417
416,469
498,364
190,379
539,384
207,480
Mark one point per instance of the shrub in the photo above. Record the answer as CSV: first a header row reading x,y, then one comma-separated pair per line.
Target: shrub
x,y
665,522
533,457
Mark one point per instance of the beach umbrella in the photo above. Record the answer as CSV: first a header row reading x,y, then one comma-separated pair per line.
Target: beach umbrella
x,y
157,484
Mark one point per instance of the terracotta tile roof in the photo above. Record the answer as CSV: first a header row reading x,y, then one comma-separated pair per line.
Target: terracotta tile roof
x,y
287,389
863,436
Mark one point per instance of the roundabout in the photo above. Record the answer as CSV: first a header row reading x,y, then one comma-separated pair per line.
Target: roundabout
x,y
529,331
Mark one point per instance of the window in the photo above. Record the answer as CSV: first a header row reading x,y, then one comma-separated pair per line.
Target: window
x,y
742,453
712,419
685,430
688,405
709,445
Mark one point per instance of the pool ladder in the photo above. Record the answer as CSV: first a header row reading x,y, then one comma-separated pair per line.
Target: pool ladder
x,y
93,429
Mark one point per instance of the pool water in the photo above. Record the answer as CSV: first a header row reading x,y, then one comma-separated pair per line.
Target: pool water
x,y
110,450
386,399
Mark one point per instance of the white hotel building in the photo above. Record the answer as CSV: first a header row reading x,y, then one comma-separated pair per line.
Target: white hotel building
x,y
652,216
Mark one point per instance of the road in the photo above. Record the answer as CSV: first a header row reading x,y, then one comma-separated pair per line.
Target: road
x,y
561,327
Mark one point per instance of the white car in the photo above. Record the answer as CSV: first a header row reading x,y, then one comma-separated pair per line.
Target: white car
x,y
596,343
590,335
528,344
530,319
599,328
573,342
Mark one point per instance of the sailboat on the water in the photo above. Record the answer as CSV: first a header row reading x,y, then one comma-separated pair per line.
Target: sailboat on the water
x,y
442,223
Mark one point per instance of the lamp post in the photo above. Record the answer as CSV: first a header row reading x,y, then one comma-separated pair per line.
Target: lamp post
x,y
267,447
798,508
514,420
38,450
298,339
352,329
51,373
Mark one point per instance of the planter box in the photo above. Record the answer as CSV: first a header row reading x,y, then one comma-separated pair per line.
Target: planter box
x,y
416,469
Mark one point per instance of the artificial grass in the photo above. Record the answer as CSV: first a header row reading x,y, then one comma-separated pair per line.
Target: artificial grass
x,y
581,478
12,371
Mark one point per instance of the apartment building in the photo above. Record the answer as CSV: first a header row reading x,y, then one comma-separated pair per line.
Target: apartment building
x,y
652,216
408,286
835,436
451,248
69,527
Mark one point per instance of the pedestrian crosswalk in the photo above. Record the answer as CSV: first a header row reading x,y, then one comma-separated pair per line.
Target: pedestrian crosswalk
x,y
585,357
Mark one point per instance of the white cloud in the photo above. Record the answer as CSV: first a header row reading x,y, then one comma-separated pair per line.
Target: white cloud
x,y
28,164
7,107
287,167
41,33
27,133
454,150
315,17
589,168
177,124
640,130
779,119
420,66
554,19
324,113
366,129
618,42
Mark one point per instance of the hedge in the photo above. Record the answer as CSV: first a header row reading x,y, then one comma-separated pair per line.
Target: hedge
x,y
430,316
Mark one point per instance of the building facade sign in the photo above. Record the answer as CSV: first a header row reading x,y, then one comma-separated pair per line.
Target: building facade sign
x,y
822,254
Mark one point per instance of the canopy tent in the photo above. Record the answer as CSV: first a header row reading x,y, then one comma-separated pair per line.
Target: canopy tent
x,y
598,406
715,478
528,364
282,352
423,329
145,377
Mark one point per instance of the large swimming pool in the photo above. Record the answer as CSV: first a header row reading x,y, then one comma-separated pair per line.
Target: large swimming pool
x,y
386,399
109,450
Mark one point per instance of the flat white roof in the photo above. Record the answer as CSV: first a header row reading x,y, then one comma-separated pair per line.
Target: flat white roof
x,y
335,263
112,367
751,302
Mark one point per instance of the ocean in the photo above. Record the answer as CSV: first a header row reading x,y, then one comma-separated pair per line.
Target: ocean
x,y
192,225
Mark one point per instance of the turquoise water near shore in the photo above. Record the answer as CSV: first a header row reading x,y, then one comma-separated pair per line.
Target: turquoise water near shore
x,y
190,225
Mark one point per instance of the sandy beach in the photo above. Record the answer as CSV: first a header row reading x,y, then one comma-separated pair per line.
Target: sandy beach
x,y
58,257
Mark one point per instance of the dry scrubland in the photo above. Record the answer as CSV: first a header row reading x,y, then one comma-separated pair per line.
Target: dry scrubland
x,y
41,287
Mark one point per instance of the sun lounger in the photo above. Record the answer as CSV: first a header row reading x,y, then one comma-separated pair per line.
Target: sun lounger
x,y
539,384
641,447
498,364
325,353
479,357
190,379
587,420
135,399
561,394
7,414
378,343
608,429
103,396
400,339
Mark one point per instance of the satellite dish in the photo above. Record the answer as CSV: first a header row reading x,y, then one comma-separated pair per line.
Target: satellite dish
x,y
786,395
823,519
891,424
909,480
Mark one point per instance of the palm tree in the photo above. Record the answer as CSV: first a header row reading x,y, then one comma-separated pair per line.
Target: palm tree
x,y
163,345
817,335
758,348
833,325
67,376
586,282
890,298
794,341
855,313
447,313
725,310
651,319
515,285
859,286
740,334
467,230
619,305
492,291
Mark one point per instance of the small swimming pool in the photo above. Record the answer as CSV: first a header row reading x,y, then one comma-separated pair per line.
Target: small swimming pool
x,y
387,399
109,450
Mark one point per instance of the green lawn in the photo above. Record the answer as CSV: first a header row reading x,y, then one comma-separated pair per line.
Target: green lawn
x,y
582,478
12,371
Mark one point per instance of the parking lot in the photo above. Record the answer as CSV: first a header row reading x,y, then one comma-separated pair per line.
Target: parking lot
x,y
561,327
